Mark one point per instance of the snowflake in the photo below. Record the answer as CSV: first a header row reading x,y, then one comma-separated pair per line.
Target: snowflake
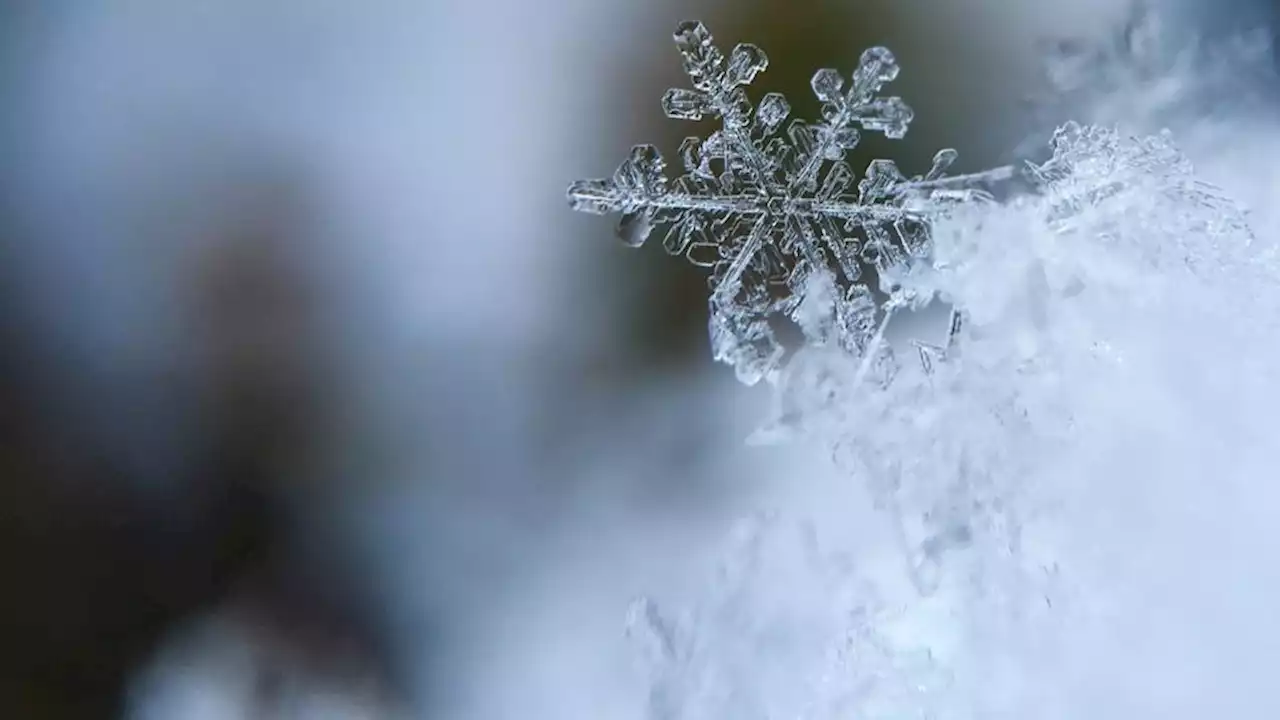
x,y
777,217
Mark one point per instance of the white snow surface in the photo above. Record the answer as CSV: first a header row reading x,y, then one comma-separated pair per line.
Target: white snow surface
x,y
1069,517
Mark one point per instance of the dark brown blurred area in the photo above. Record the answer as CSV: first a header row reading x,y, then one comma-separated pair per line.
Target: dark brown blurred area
x,y
98,571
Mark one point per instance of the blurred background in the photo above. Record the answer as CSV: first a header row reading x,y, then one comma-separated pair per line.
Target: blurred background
x,y
316,401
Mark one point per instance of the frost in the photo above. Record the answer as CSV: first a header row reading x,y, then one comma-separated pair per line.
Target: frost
x,y
759,647
777,216
1044,475
1077,299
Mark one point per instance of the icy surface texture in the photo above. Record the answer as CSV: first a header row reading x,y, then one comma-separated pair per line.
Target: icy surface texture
x,y
778,215
789,630
1068,482
1095,311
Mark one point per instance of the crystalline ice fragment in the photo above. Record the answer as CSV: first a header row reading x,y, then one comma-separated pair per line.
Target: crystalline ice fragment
x,y
914,236
890,116
827,84
682,235
879,182
692,36
634,227
843,140
682,104
857,313
879,250
593,196
749,346
772,111
942,160
642,172
745,62
764,210
838,180
876,67
702,61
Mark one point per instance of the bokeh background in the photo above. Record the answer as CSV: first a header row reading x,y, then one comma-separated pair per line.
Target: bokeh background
x,y
315,399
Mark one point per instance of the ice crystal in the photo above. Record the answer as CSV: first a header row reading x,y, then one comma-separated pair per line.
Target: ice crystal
x,y
778,216
1078,299
1116,341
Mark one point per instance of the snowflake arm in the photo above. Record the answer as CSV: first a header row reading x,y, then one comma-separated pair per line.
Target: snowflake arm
x,y
776,214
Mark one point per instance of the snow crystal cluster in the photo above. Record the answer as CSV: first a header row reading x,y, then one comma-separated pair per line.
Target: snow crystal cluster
x,y
778,216
1109,339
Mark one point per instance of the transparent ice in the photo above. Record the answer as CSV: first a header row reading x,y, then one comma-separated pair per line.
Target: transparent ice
x,y
1067,484
975,463
778,216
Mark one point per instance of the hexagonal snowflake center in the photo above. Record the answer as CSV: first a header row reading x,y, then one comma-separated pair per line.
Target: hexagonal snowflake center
x,y
778,203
